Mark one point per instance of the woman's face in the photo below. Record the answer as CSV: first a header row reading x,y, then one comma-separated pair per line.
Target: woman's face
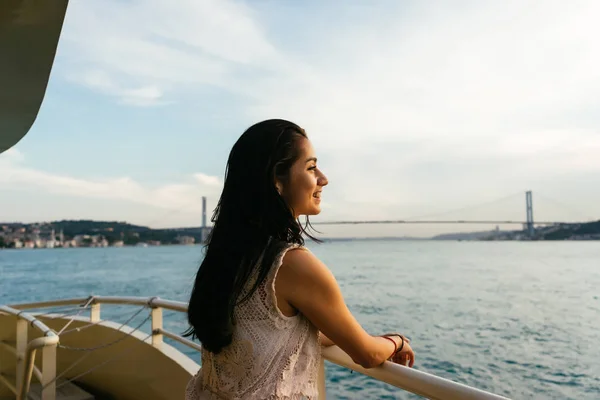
x,y
302,191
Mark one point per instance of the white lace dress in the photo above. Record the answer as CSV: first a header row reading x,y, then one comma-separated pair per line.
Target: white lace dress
x,y
272,356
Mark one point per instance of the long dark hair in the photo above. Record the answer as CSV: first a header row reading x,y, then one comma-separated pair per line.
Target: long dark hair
x,y
252,225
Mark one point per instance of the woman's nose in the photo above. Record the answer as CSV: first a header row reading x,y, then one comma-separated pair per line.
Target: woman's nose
x,y
322,180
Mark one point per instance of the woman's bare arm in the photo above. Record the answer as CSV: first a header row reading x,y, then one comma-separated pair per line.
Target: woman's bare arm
x,y
308,285
324,340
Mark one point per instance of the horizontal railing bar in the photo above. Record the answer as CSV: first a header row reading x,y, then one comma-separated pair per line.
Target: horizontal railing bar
x,y
124,300
51,303
10,348
33,321
8,383
180,339
171,305
412,380
140,301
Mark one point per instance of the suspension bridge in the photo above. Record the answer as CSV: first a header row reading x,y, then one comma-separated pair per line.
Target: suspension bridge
x,y
528,224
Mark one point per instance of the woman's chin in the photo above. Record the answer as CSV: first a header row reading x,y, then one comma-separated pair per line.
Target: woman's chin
x,y
313,209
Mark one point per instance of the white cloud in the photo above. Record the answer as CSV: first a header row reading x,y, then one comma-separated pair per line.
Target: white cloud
x,y
450,73
148,95
11,155
172,197
158,49
211,181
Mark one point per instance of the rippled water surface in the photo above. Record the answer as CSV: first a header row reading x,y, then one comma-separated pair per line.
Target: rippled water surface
x,y
517,319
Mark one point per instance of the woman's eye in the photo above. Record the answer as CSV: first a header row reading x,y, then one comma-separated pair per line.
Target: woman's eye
x,y
313,167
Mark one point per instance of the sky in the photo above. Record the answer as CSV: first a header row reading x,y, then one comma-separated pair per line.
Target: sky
x,y
414,108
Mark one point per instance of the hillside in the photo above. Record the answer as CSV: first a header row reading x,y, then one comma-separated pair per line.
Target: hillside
x,y
86,227
465,235
110,231
586,231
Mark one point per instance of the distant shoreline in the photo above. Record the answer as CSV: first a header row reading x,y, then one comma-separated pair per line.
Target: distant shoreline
x,y
89,233
324,240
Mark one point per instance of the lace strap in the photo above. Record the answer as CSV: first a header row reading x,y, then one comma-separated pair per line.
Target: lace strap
x,y
270,284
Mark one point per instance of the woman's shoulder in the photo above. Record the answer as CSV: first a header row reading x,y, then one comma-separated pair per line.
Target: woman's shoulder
x,y
299,264
296,254
306,283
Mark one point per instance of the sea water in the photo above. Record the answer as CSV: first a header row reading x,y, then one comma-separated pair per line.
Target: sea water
x,y
520,319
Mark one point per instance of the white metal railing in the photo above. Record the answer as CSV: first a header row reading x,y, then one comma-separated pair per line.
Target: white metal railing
x,y
25,355
408,379
411,380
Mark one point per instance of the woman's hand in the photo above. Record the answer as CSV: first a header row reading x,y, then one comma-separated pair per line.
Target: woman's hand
x,y
404,356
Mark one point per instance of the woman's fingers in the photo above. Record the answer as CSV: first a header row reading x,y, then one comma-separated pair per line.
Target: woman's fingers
x,y
406,359
401,358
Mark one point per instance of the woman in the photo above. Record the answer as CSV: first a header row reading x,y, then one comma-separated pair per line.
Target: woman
x,y
262,304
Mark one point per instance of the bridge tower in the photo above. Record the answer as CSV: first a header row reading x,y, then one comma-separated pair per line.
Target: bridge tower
x,y
204,231
529,204
203,212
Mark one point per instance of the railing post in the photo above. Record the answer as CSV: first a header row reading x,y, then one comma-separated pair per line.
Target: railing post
x,y
21,349
95,312
157,325
26,378
49,372
321,380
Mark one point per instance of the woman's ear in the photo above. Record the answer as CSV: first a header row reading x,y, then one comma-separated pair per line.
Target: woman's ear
x,y
278,186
